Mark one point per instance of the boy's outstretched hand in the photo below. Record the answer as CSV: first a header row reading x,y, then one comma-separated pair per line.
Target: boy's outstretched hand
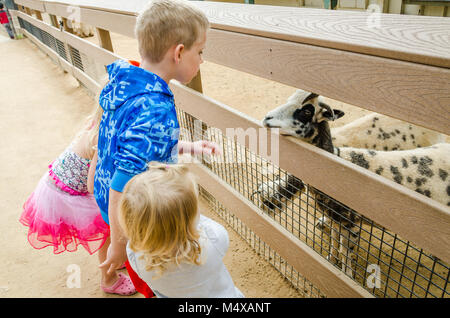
x,y
204,147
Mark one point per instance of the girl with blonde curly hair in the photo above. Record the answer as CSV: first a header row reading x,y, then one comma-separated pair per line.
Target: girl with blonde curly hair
x,y
174,249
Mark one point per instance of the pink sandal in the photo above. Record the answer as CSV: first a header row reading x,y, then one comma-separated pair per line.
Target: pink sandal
x,y
123,286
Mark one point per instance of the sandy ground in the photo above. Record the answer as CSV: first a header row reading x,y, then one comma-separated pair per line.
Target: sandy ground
x,y
41,108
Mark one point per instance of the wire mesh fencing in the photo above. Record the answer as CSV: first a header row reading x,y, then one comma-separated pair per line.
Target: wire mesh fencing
x,y
69,53
305,287
378,259
46,38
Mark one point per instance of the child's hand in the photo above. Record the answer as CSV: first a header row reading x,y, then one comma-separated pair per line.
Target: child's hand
x,y
115,257
206,147
200,147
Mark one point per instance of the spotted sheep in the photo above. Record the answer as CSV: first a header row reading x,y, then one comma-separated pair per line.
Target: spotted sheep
x,y
380,132
424,170
305,116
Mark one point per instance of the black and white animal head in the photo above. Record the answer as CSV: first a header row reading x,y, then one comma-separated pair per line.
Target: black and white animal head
x,y
274,194
301,115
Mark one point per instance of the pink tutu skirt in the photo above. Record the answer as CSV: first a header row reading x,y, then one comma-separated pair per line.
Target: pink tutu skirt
x,y
64,221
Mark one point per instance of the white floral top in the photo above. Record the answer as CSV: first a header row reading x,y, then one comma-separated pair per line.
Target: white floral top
x,y
70,172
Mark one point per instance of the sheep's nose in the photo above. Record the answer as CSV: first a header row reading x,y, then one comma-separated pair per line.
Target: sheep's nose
x,y
265,124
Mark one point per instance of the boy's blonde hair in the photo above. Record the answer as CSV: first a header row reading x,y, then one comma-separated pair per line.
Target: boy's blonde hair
x,y
164,23
158,213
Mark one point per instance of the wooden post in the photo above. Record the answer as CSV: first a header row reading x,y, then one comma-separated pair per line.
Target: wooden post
x,y
105,42
38,15
196,83
385,8
104,39
66,26
54,20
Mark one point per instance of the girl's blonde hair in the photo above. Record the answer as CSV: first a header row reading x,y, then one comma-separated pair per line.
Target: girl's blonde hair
x,y
92,127
92,122
158,213
164,23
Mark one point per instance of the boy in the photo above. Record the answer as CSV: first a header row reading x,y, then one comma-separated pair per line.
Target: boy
x,y
5,21
139,123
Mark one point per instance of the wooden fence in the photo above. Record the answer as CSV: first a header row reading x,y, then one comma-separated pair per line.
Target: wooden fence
x,y
410,7
333,53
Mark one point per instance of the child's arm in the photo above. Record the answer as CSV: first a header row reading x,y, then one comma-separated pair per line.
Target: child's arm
x,y
91,173
117,254
198,147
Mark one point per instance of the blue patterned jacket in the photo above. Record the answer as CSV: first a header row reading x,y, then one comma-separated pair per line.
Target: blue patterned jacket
x,y
139,125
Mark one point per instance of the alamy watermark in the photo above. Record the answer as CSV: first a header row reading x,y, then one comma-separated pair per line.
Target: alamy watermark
x,y
374,279
261,141
74,278
74,13
374,18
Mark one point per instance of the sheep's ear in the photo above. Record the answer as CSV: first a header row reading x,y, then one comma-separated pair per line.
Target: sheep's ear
x,y
310,97
337,114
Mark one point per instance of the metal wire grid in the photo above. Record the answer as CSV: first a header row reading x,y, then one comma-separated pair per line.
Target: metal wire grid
x,y
76,58
46,38
403,269
263,250
306,288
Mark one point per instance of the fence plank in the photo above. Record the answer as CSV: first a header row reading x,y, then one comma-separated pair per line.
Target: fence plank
x,y
89,82
32,4
401,37
412,92
113,22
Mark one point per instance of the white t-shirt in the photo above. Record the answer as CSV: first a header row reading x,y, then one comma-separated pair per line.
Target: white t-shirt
x,y
211,279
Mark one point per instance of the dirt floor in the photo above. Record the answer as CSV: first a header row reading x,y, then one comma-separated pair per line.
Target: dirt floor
x,y
41,109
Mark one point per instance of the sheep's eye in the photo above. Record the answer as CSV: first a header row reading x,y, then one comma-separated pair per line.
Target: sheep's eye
x,y
307,112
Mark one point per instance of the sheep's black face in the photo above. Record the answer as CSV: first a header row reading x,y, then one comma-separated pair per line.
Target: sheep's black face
x,y
303,121
293,120
301,115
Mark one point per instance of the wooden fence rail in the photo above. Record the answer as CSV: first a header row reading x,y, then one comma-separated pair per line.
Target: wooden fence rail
x,y
391,70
